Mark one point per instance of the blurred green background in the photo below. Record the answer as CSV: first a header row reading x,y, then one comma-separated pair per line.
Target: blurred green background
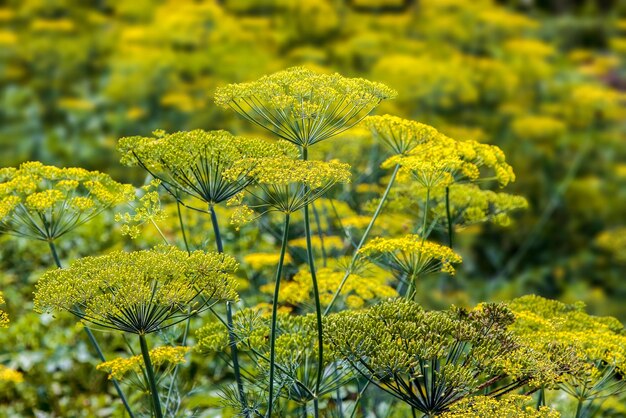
x,y
543,79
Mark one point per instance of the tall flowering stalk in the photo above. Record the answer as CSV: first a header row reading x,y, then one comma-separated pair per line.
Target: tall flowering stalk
x,y
305,107
193,164
139,293
287,185
44,203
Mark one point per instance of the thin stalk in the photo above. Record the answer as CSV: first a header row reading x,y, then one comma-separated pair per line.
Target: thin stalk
x,y
234,354
279,270
425,217
450,242
320,234
363,238
182,226
154,391
579,408
92,339
318,305
187,323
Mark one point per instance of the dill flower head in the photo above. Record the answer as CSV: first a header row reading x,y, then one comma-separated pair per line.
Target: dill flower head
x,y
512,406
287,184
4,317
194,162
303,106
613,241
411,255
400,135
161,357
138,292
542,323
428,359
443,161
45,202
9,375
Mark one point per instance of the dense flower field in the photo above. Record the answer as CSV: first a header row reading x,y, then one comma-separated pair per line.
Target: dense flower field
x,y
325,208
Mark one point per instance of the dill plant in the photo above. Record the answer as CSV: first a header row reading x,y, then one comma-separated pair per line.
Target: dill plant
x,y
140,293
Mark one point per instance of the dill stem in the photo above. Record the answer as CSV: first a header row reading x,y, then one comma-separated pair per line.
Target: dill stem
x,y
154,391
316,297
279,269
232,342
363,238
92,338
449,218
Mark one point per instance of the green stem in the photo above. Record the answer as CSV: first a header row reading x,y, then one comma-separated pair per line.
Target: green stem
x,y
318,305
579,408
229,318
425,217
363,238
187,322
92,339
279,269
450,242
182,226
154,391
320,234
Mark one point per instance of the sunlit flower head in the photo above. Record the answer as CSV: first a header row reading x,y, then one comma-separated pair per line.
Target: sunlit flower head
x,y
286,184
45,202
400,135
4,317
138,292
303,106
194,162
410,255
161,357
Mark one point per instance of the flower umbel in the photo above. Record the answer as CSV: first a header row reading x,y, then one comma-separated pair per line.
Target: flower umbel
x,y
45,202
138,292
303,106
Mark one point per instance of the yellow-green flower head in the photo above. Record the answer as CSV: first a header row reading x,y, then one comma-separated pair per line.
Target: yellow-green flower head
x,y
468,203
401,135
538,128
614,242
288,184
411,255
119,368
303,106
429,360
46,202
194,162
512,406
9,375
4,317
138,292
542,323
443,161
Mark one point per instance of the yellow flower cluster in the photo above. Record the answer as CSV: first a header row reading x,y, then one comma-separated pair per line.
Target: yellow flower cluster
x,y
194,162
4,317
9,375
542,323
118,368
148,209
590,102
411,255
443,161
357,292
260,261
45,202
138,292
614,242
538,128
512,406
401,135
303,106
330,242
288,184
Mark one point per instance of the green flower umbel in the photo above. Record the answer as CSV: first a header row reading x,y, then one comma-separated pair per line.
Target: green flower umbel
x,y
45,202
138,292
194,162
302,106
